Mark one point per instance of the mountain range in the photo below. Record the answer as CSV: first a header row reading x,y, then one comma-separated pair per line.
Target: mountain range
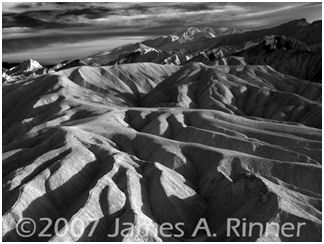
x,y
205,123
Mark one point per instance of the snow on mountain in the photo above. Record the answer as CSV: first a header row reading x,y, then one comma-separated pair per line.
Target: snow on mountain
x,y
196,33
114,55
5,77
26,66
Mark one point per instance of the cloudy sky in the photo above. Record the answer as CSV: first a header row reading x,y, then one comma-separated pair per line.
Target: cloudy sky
x,y
51,32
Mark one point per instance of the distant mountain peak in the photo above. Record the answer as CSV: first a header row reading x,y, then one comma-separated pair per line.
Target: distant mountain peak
x,y
299,22
209,32
26,66
29,65
194,32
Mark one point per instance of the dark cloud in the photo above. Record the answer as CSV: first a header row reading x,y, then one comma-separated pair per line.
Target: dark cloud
x,y
90,13
30,26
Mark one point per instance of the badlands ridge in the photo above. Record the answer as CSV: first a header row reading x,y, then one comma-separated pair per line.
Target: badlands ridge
x,y
167,131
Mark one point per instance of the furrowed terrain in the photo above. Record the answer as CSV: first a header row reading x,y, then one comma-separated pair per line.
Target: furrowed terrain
x,y
147,142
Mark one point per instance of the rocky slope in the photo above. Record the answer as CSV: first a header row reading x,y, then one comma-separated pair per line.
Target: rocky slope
x,y
297,52
288,56
147,143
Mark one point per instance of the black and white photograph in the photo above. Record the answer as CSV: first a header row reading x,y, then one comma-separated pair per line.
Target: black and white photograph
x,y
161,121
